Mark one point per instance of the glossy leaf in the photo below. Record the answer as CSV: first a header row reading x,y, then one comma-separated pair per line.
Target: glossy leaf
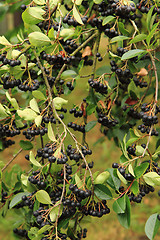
x,y
140,170
152,225
17,199
125,218
119,206
102,192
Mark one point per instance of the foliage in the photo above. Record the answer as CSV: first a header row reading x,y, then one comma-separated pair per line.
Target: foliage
x,y
43,66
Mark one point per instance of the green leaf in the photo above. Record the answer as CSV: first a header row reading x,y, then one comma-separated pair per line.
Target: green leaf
x,y
138,38
27,114
59,102
39,95
34,106
133,90
33,15
78,181
43,197
122,29
68,74
135,187
152,225
3,113
39,39
124,218
113,180
149,16
77,2
132,54
44,228
90,125
25,145
102,178
39,2
51,133
97,1
118,38
33,160
121,177
140,150
140,170
107,20
155,155
77,15
102,192
17,199
152,178
130,170
131,141
4,41
152,32
67,33
38,120
119,206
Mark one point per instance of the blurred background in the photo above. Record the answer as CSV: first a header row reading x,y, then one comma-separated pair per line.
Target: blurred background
x,y
104,154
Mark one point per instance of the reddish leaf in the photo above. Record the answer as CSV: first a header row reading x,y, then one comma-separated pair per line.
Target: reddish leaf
x,y
130,101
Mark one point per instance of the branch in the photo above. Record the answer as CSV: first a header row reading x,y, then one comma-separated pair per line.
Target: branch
x,y
20,150
66,129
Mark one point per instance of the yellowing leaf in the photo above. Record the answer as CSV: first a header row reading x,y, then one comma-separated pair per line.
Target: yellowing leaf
x,y
51,133
76,15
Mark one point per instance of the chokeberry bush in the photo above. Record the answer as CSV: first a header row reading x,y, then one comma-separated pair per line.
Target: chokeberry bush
x,y
39,66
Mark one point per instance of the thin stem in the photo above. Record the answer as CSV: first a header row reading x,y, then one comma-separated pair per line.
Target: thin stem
x,y
20,150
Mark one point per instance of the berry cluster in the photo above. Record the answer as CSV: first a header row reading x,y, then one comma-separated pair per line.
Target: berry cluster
x,y
77,113
106,121
139,82
98,86
35,131
35,178
74,155
9,131
21,233
76,127
9,82
96,209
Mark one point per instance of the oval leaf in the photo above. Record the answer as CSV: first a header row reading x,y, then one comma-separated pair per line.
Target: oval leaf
x,y
33,104
132,54
43,197
51,133
39,95
25,145
152,226
38,39
102,192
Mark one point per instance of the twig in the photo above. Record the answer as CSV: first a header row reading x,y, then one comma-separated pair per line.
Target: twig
x,y
20,150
